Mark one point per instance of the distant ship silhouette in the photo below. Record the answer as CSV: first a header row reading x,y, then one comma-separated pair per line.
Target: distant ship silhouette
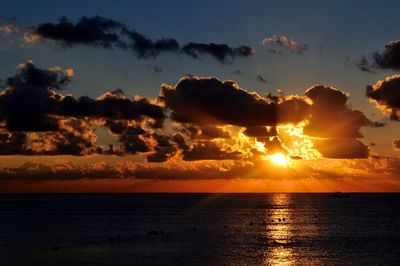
x,y
338,194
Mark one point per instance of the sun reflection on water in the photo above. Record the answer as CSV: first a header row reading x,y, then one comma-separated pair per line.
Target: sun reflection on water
x,y
279,234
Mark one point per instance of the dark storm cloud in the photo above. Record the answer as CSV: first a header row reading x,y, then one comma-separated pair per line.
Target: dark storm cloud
x,y
117,126
110,106
132,137
13,143
138,139
260,132
342,148
163,150
133,143
335,124
211,101
386,95
388,59
222,52
146,48
157,69
108,33
29,99
211,132
208,150
273,145
36,119
180,141
365,65
30,102
93,31
74,137
205,132
331,117
161,154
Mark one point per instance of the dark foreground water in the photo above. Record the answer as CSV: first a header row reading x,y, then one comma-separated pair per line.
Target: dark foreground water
x,y
199,229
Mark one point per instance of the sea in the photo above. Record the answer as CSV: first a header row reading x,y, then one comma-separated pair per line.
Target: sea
x,y
200,229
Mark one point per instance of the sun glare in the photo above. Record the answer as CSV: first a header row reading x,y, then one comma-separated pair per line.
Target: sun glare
x,y
278,159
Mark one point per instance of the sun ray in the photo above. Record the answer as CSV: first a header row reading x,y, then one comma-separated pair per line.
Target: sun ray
x,y
278,159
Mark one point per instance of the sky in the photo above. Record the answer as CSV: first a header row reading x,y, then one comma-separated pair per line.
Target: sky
x,y
227,96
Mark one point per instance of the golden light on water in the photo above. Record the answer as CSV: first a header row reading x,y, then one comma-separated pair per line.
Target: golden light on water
x,y
279,233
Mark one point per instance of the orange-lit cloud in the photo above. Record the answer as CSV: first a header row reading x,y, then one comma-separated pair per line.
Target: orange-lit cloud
x,y
199,129
386,94
285,42
224,176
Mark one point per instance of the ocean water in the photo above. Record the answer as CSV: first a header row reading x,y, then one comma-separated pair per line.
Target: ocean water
x,y
199,229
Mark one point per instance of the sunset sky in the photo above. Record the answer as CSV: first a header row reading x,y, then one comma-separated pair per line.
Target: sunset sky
x,y
167,96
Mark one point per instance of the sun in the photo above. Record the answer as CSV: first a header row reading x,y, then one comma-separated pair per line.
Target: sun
x,y
278,159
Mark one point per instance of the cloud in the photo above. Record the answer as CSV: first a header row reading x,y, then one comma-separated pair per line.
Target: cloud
x,y
37,172
93,31
388,59
396,144
386,95
74,137
323,113
29,98
330,115
211,101
37,120
205,132
364,65
222,52
261,79
260,131
208,150
9,29
207,119
12,143
133,143
157,69
146,48
352,171
343,148
335,124
108,33
180,141
30,102
164,149
285,42
220,169
32,171
273,145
